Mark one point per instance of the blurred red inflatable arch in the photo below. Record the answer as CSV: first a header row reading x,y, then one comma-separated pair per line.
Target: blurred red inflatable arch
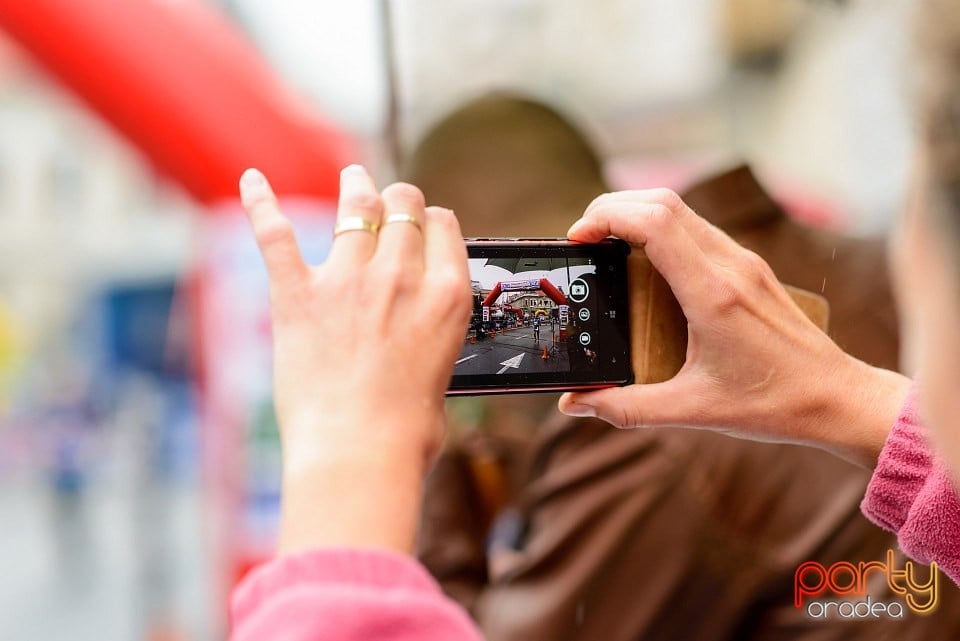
x,y
185,87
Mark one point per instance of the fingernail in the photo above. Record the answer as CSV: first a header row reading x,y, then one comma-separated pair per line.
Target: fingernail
x,y
357,170
579,409
252,180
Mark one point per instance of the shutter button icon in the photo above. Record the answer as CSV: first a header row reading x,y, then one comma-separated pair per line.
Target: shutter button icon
x,y
578,290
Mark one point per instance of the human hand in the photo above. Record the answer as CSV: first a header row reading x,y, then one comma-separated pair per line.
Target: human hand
x,y
756,367
364,346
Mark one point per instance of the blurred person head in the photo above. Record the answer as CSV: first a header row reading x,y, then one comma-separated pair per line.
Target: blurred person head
x,y
927,249
508,166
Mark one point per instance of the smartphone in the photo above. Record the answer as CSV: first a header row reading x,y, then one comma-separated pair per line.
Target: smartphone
x,y
548,315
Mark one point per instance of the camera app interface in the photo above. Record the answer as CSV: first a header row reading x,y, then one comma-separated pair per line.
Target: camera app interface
x,y
530,315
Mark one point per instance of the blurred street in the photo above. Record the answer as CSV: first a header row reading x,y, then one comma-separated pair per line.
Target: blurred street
x,y
516,351
113,562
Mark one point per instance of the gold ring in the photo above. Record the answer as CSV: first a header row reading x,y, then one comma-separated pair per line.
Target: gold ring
x,y
402,217
355,223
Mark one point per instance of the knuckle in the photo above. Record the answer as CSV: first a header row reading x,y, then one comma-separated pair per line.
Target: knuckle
x,y
367,201
451,289
728,295
274,232
756,270
661,217
449,281
397,275
404,193
752,262
667,197
597,202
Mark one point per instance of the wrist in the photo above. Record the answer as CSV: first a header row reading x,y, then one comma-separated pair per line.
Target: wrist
x,y
351,499
352,483
863,403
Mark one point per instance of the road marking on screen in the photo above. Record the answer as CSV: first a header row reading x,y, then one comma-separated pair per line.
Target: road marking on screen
x,y
465,358
511,362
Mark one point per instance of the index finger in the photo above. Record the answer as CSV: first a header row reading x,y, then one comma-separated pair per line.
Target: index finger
x,y
668,245
272,230
712,240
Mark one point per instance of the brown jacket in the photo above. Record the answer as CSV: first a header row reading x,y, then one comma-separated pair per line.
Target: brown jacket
x,y
669,534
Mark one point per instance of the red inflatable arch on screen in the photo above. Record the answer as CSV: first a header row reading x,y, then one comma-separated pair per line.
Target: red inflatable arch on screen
x,y
542,285
185,87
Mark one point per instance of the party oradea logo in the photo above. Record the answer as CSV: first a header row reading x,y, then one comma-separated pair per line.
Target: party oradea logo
x,y
842,591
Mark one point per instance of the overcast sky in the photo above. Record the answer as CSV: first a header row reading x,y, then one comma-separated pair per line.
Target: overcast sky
x,y
331,51
488,275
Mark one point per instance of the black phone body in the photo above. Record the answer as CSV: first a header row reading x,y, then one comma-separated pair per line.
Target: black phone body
x,y
548,315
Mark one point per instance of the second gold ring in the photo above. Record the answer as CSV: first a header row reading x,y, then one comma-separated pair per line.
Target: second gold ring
x,y
402,217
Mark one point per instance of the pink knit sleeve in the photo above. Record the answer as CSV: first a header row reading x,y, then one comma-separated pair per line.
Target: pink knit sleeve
x,y
911,494
345,595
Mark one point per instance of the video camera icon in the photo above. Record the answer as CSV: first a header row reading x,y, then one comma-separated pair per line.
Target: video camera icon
x,y
578,290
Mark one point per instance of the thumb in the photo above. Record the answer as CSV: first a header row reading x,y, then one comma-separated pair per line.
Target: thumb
x,y
652,405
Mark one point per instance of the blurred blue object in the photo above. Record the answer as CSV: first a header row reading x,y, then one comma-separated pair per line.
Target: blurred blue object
x,y
138,329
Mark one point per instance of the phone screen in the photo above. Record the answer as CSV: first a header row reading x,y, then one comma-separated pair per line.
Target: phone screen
x,y
547,315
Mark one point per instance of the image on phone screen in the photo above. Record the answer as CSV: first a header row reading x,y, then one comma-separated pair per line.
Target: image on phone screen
x,y
522,315
544,316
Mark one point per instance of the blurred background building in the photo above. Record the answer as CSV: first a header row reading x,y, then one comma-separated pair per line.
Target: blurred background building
x,y
123,496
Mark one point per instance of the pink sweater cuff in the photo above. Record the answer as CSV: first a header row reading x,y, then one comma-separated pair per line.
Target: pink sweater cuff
x,y
911,494
346,594
368,568
902,469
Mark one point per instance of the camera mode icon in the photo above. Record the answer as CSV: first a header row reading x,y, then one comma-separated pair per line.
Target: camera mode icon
x,y
578,290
